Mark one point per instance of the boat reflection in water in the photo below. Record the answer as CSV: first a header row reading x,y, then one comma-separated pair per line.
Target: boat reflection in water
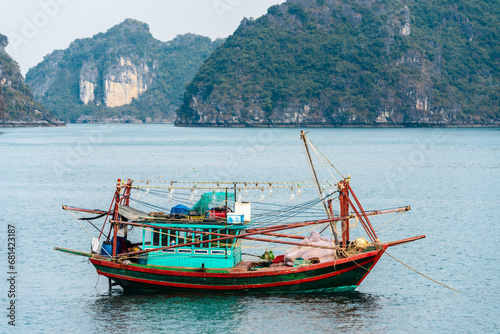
x,y
133,310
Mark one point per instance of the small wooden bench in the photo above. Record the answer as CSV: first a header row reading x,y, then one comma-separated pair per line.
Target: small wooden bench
x,y
243,266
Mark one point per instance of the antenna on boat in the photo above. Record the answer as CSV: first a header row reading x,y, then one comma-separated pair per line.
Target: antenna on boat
x,y
315,179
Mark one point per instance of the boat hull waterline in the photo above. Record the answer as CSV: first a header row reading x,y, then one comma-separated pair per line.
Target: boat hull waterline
x,y
332,276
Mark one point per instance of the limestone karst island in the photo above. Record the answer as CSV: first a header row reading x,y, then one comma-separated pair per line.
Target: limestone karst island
x,y
314,63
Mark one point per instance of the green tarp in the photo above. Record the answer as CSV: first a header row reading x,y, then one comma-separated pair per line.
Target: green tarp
x,y
211,200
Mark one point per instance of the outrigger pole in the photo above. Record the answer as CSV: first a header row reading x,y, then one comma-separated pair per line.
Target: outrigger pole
x,y
370,213
249,233
269,230
229,236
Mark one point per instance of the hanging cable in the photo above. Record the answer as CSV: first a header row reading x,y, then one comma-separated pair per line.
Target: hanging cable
x,y
407,266
316,151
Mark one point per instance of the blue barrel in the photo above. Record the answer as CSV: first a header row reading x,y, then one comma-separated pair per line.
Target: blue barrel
x,y
120,245
107,247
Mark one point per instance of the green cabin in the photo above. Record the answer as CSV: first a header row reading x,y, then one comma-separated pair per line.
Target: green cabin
x,y
216,254
210,214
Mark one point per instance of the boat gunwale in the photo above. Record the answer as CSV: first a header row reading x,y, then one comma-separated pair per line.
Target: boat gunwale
x,y
248,287
198,272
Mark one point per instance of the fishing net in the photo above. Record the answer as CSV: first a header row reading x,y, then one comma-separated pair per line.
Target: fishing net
x,y
308,253
213,200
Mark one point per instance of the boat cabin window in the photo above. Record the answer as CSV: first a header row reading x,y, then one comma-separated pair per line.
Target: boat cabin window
x,y
200,237
214,244
181,239
156,237
165,237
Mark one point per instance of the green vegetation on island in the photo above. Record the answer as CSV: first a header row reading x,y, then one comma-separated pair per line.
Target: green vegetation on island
x,y
17,107
330,63
123,73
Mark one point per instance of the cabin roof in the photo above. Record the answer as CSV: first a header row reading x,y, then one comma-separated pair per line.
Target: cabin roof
x,y
135,215
206,224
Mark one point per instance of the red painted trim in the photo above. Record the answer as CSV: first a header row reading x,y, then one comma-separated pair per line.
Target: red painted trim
x,y
371,230
373,265
402,241
173,272
234,287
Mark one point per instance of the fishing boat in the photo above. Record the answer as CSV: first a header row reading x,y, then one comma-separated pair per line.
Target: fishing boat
x,y
201,248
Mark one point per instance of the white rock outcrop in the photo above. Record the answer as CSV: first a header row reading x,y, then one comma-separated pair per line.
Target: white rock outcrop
x,y
406,28
88,82
124,82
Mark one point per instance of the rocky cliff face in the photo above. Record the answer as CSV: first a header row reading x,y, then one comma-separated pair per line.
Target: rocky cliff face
x,y
122,82
125,81
124,73
17,107
351,63
89,76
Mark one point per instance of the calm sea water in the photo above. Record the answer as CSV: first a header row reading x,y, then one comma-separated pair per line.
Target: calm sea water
x,y
450,177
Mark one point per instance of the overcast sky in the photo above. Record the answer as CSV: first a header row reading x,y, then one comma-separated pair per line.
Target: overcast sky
x,y
35,28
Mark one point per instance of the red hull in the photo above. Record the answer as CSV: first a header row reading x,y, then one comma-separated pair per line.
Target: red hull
x,y
338,275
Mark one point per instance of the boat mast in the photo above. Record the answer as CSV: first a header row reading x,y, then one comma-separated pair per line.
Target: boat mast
x,y
315,179
344,211
328,212
116,215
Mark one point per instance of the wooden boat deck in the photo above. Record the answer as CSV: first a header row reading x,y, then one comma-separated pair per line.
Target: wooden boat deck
x,y
242,266
245,266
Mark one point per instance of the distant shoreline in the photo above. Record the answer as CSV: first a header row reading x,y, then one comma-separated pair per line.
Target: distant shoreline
x,y
205,125
19,124
31,124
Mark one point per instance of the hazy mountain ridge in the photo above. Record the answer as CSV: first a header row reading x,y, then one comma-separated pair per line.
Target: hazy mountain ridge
x,y
373,63
124,74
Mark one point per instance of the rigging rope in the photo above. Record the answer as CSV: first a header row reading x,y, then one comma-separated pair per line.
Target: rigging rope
x,y
326,159
404,264
71,213
283,212
316,151
305,205
400,214
228,159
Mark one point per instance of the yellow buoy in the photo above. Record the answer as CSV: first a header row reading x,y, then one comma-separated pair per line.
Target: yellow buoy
x,y
359,244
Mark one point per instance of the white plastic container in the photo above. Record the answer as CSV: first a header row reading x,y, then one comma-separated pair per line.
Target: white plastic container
x,y
245,209
233,218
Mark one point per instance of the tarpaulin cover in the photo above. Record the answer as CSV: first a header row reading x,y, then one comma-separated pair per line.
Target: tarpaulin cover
x,y
179,208
132,214
308,253
207,201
